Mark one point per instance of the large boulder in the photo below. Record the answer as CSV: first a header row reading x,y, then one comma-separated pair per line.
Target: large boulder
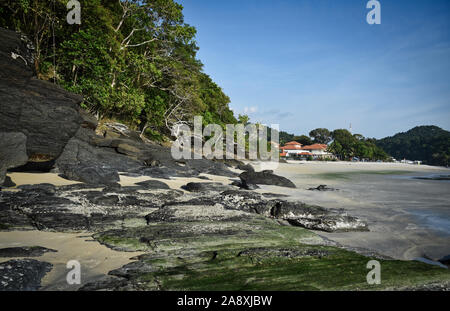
x,y
264,178
64,135
82,160
46,114
13,152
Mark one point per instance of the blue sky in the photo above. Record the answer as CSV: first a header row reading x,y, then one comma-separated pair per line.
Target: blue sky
x,y
306,64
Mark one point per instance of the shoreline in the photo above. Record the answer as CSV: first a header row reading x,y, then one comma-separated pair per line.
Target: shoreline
x,y
392,235
384,236
384,196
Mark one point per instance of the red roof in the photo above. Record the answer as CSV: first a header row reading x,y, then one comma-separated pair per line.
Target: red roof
x,y
293,143
315,147
291,148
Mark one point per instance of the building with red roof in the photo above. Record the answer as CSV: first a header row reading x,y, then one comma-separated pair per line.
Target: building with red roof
x,y
295,150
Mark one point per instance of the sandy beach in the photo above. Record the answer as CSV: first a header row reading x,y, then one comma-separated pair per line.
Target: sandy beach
x,y
96,259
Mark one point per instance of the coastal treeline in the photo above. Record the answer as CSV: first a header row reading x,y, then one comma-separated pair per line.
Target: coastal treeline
x,y
346,145
429,144
341,142
133,61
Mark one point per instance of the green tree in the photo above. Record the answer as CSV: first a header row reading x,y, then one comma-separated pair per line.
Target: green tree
x,y
303,139
132,60
321,136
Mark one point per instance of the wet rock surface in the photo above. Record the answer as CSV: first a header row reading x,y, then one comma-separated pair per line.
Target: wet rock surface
x,y
13,152
322,188
23,274
264,178
25,251
206,186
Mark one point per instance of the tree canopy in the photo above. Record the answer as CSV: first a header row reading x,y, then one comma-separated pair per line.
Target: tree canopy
x,y
132,60
321,136
346,146
430,144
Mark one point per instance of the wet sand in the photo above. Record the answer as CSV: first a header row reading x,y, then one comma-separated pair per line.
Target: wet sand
x,y
95,259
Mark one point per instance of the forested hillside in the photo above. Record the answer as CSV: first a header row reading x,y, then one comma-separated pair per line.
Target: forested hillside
x,y
430,144
133,61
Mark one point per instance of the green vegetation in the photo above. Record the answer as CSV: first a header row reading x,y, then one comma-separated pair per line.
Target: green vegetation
x,y
321,136
346,146
429,144
133,61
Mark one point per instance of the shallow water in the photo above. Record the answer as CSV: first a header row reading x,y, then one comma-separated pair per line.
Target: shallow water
x,y
407,217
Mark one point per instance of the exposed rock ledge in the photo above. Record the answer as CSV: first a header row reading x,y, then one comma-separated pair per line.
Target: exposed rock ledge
x,y
84,207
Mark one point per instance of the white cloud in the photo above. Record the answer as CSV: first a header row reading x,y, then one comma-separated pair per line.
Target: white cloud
x,y
252,109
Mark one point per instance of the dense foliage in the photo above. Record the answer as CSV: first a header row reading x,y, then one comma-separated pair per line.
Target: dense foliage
x,y
133,60
321,136
346,146
430,144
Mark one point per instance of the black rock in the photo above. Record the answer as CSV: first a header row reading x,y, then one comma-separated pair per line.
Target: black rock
x,y
105,200
245,167
94,175
206,186
265,178
45,113
330,223
13,151
39,167
242,185
153,184
112,188
24,251
47,189
322,188
23,274
8,182
445,260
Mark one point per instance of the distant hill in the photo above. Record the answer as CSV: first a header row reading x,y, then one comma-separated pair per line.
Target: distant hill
x,y
429,144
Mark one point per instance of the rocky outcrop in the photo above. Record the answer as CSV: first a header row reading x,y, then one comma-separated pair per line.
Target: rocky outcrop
x,y
13,152
22,274
84,207
63,135
46,114
25,251
264,178
296,213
